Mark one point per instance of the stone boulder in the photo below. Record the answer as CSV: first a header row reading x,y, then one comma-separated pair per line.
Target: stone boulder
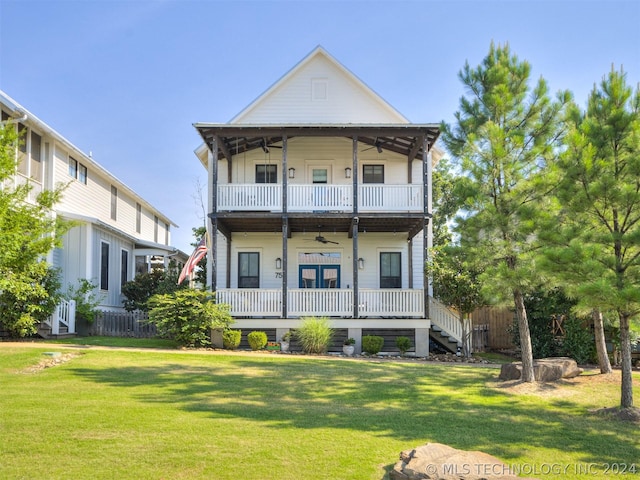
x,y
442,462
544,369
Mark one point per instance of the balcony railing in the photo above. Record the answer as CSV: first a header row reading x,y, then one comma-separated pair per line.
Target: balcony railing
x,y
245,302
319,198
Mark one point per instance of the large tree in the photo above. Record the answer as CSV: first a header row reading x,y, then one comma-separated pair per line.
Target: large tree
x,y
28,232
504,135
599,193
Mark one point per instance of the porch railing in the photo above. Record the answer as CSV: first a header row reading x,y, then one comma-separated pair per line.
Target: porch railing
x,y
307,198
320,302
319,198
64,316
390,197
392,302
250,197
323,302
447,319
247,302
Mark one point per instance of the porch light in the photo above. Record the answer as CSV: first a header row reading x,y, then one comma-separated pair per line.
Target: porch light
x,y
278,263
347,172
292,172
361,263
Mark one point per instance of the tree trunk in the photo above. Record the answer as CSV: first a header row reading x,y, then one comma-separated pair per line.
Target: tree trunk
x,y
626,397
526,349
466,351
601,345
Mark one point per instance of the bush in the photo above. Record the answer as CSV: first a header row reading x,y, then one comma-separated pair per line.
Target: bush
x,y
87,299
231,339
314,335
187,316
372,344
578,342
257,340
403,344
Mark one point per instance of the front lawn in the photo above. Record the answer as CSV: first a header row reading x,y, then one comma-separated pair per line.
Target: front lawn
x,y
106,414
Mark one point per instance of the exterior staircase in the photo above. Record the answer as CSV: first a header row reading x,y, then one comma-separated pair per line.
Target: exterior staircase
x,y
62,323
446,329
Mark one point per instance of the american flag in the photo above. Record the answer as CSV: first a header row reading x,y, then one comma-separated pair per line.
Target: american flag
x,y
196,256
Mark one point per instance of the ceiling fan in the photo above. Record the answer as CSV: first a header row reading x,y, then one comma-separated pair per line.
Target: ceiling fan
x,y
377,145
321,239
265,145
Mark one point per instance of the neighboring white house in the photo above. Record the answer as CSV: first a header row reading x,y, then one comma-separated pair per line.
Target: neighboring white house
x,y
320,197
118,233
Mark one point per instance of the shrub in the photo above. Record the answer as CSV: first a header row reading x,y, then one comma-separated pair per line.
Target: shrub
x,y
257,340
372,344
403,344
314,335
187,316
231,339
578,342
86,298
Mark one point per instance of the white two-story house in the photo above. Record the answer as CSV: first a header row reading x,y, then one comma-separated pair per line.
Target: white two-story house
x,y
116,234
320,201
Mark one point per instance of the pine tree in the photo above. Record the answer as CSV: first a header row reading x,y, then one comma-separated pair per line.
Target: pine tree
x,y
599,193
505,134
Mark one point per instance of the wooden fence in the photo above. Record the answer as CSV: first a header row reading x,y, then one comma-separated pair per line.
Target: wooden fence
x,y
122,324
498,323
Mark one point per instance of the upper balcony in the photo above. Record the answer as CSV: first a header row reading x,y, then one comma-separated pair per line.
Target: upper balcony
x,y
320,198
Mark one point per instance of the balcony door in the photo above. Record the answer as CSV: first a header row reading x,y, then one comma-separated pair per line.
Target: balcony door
x,y
319,270
320,176
319,276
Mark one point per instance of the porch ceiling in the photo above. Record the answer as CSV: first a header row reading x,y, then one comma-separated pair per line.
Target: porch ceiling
x,y
410,224
404,139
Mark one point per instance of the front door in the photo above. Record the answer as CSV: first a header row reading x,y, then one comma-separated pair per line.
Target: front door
x,y
319,276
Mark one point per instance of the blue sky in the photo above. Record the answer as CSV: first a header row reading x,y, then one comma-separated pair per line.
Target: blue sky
x,y
127,79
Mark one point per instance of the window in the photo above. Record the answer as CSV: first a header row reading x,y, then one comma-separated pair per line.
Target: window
x,y
141,264
266,174
166,234
104,266
155,228
124,267
320,175
36,157
390,271
373,174
82,174
23,166
78,171
138,218
73,167
248,270
114,203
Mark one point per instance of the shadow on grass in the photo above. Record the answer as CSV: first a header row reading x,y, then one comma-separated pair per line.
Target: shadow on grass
x,y
414,403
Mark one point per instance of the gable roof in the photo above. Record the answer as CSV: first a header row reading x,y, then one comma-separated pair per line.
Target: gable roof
x,y
17,109
348,99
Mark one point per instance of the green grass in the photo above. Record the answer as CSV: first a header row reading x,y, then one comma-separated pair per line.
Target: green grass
x,y
179,415
118,342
